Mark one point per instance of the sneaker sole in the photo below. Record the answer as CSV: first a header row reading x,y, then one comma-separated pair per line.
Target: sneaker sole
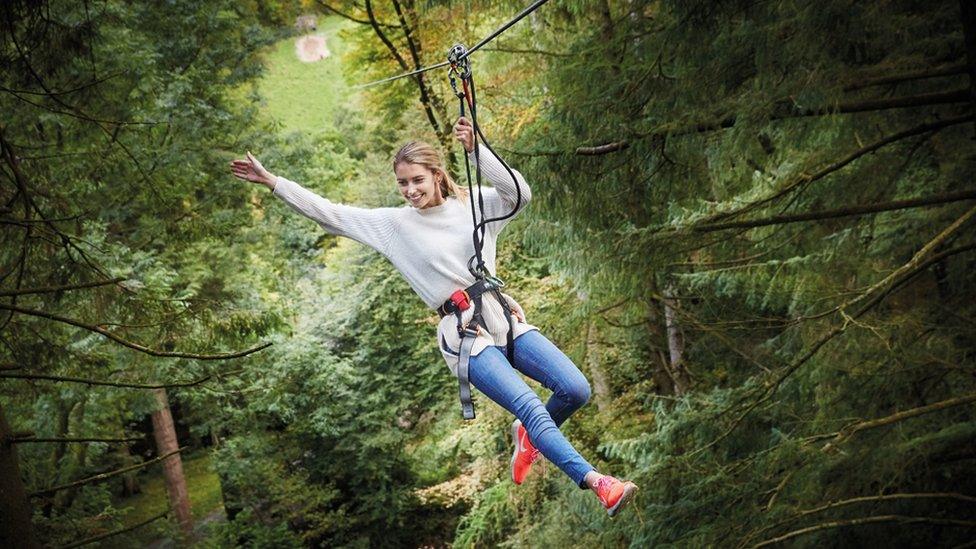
x,y
511,465
629,490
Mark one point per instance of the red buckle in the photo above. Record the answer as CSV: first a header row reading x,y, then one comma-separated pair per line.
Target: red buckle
x,y
461,300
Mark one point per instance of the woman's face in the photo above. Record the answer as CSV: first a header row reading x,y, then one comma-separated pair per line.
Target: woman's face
x,y
420,186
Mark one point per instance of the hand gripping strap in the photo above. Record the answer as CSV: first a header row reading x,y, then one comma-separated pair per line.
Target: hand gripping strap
x,y
468,338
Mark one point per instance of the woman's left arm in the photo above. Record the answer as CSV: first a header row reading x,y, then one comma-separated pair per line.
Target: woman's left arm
x,y
510,192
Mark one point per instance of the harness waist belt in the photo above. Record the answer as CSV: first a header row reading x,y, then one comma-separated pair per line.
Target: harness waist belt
x,y
461,300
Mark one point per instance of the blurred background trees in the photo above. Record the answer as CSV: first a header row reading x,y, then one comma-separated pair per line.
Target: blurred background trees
x,y
752,229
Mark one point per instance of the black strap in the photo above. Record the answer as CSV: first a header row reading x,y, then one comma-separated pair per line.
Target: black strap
x,y
469,335
510,340
464,383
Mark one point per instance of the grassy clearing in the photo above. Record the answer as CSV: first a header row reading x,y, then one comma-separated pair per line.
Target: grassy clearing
x,y
201,481
303,96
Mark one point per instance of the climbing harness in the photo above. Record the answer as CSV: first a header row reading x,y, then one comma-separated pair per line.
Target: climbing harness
x,y
461,301
485,282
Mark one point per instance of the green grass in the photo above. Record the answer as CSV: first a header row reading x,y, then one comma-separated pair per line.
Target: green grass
x,y
201,481
303,96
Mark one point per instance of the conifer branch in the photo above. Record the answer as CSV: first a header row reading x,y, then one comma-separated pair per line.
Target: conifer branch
x,y
823,172
840,212
104,476
949,70
879,291
783,109
130,344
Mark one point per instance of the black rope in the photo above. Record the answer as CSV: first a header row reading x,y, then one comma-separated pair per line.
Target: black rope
x,y
521,15
511,173
477,239
481,226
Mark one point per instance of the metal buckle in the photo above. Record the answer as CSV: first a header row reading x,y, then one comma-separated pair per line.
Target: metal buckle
x,y
495,281
461,67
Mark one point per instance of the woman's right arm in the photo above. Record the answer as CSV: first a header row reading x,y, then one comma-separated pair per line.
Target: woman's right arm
x,y
374,227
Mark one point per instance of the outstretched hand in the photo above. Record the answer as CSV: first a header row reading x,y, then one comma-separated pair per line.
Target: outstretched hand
x,y
250,169
464,132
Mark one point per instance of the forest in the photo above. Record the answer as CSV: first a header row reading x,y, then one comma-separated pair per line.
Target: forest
x,y
752,229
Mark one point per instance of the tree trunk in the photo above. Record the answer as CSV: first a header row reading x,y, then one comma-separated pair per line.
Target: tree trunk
x,y
130,482
968,17
58,452
67,497
601,389
676,344
166,441
15,511
660,372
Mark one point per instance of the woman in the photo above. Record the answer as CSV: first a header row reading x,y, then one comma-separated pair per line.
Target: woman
x,y
430,243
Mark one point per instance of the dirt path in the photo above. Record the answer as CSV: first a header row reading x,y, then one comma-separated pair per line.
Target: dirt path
x,y
311,48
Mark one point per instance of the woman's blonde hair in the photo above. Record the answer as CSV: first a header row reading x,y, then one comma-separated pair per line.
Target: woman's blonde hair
x,y
418,152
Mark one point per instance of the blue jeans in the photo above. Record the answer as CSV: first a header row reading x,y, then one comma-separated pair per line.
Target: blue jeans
x,y
536,357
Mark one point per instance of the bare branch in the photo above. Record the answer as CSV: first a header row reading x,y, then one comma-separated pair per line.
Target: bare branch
x,y
21,440
428,98
867,520
382,36
113,533
603,149
888,497
65,92
851,430
327,7
104,476
506,49
45,377
130,344
52,289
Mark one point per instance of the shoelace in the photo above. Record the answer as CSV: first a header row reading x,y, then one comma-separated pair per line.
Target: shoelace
x,y
603,486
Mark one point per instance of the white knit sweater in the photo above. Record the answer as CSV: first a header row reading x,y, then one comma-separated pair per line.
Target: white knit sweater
x,y
430,247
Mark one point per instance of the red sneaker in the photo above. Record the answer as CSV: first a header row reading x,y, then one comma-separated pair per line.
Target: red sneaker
x,y
614,494
524,455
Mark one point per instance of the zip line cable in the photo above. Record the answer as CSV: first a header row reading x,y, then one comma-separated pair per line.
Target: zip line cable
x,y
518,17
399,76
